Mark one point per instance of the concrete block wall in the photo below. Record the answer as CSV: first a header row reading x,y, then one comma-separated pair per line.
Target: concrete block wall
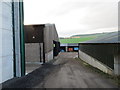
x,y
49,56
32,52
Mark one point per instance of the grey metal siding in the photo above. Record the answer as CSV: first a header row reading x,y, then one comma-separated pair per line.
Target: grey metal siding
x,y
45,34
17,39
50,35
102,52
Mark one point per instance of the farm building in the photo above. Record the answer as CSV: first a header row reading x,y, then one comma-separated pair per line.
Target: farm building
x,y
41,43
102,53
11,36
69,47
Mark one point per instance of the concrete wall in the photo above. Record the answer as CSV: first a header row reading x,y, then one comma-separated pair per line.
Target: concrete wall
x,y
32,52
49,56
95,63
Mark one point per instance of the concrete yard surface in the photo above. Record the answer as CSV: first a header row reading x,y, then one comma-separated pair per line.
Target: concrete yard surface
x,y
31,66
64,72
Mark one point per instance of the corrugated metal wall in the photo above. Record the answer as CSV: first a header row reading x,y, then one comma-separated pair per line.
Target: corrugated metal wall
x,y
10,46
7,41
50,34
102,52
17,39
0,43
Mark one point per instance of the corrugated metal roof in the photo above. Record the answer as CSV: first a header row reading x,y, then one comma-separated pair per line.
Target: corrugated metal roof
x,y
69,44
72,44
109,38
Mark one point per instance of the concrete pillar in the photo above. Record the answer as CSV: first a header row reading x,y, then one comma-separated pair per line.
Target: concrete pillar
x,y
117,64
66,48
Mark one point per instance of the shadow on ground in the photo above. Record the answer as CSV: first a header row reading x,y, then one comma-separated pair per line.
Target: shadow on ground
x,y
32,79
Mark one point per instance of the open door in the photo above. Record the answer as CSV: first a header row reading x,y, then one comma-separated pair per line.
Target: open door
x,y
56,49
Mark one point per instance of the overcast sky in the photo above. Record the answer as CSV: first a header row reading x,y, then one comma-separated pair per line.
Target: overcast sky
x,y
73,16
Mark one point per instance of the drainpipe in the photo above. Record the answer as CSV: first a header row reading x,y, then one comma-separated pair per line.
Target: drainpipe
x,y
22,41
14,56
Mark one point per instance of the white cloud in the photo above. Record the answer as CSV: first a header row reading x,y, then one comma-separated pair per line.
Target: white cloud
x,y
73,16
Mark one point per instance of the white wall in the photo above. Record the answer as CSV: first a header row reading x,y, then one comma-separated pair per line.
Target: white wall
x,y
0,43
6,57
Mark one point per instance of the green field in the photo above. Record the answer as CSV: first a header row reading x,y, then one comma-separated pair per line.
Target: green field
x,y
76,40
84,37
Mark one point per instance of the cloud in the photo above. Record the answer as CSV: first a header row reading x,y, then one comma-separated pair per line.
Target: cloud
x,y
73,16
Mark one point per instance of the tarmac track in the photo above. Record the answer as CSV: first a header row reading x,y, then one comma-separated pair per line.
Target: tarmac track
x,y
64,72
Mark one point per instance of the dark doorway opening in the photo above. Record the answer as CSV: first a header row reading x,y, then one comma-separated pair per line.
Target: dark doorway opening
x,y
56,49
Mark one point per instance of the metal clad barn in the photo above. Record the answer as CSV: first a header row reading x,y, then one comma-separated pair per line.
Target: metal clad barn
x,y
104,49
50,39
34,43
102,52
11,60
39,41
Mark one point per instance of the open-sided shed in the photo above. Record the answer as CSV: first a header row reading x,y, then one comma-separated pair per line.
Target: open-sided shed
x,y
69,47
41,42
102,52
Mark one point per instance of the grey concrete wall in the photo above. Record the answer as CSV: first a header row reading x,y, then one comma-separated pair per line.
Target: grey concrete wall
x,y
95,63
49,56
41,46
32,52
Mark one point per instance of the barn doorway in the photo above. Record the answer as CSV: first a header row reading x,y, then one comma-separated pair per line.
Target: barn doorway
x,y
34,47
56,49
